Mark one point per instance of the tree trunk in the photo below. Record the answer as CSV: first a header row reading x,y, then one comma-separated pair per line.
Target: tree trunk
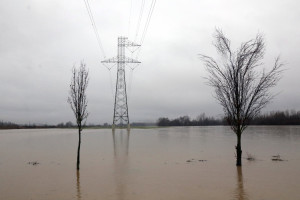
x,y
78,150
238,149
78,184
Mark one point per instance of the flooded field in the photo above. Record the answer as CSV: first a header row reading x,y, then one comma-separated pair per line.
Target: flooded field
x,y
149,164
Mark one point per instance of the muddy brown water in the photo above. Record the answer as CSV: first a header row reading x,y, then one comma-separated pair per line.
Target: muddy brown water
x,y
150,164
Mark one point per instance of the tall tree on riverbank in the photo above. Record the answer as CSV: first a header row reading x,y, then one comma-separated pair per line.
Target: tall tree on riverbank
x,y
78,100
240,88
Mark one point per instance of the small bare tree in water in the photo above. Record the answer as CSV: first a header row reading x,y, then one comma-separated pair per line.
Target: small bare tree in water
x,y
78,101
240,88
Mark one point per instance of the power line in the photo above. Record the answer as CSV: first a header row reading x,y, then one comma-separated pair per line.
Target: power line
x,y
129,23
146,25
148,21
94,26
139,20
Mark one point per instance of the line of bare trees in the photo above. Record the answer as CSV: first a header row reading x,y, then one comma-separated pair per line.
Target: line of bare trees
x,y
288,117
278,118
201,120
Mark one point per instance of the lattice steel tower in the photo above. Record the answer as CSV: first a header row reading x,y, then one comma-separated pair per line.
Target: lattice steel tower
x,y
121,117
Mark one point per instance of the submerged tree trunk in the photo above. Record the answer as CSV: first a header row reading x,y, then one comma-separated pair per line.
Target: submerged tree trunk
x,y
238,149
78,150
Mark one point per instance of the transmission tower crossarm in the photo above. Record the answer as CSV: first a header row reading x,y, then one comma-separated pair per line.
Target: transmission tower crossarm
x,y
110,60
117,60
130,60
128,43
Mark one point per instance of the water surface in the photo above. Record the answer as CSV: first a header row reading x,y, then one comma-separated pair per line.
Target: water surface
x,y
161,163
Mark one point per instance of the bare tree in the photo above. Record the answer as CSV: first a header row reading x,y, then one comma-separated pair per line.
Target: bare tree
x,y
240,88
78,101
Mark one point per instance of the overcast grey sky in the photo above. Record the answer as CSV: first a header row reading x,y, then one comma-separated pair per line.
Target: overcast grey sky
x,y
41,40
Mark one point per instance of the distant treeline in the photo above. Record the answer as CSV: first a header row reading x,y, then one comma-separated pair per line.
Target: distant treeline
x,y
201,120
272,118
10,125
278,118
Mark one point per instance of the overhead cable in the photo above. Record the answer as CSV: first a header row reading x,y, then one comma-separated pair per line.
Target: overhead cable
x,y
147,25
139,20
129,23
148,21
94,26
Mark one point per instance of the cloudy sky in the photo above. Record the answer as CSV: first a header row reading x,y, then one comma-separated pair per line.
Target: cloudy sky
x,y
41,40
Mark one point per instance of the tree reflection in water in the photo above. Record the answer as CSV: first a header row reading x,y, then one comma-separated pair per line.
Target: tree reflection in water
x,y
121,151
239,193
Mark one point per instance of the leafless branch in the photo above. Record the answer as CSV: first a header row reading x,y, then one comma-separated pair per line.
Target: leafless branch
x,y
77,94
240,88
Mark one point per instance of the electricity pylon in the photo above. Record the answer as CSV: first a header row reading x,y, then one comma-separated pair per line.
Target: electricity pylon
x,y
121,116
